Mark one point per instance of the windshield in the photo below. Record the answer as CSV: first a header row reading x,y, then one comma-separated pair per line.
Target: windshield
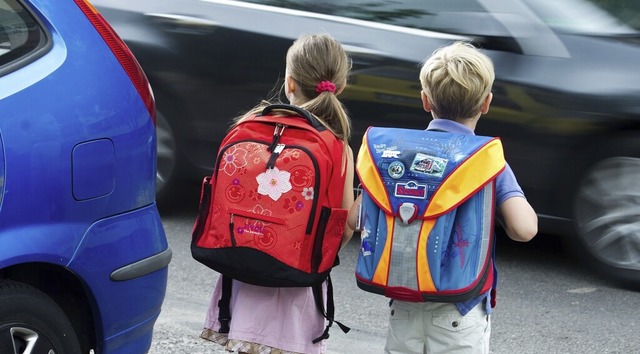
x,y
589,17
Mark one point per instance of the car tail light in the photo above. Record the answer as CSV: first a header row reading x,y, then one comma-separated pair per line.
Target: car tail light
x,y
122,53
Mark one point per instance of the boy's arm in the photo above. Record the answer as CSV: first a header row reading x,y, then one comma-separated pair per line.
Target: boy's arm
x,y
519,219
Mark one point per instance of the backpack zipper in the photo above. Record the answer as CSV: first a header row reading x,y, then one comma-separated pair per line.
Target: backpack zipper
x,y
277,133
316,184
274,156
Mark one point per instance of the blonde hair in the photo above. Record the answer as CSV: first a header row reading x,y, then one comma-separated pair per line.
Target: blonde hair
x,y
310,60
457,79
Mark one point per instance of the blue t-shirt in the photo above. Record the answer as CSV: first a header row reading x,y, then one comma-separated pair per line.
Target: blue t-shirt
x,y
506,187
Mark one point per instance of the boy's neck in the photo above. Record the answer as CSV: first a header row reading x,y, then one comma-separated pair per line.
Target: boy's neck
x,y
467,122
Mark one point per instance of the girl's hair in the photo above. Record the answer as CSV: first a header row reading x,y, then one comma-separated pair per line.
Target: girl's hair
x,y
311,60
457,79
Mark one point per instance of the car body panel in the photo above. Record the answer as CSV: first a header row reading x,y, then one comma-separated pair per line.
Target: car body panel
x,y
121,303
78,178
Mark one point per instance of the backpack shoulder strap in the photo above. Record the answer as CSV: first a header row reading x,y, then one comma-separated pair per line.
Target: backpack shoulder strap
x,y
224,314
329,313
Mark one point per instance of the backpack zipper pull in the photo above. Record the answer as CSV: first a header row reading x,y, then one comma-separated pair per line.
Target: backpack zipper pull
x,y
274,155
277,133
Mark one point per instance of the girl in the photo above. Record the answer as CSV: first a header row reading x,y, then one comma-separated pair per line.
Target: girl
x,y
286,320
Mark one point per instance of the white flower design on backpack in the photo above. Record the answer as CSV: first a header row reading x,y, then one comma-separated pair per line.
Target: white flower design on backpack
x,y
274,183
307,193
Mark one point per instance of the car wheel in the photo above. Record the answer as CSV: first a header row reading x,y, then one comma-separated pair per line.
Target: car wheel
x,y
166,157
608,218
31,322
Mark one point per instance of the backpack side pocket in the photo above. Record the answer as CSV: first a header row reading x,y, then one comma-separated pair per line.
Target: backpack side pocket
x,y
328,238
203,211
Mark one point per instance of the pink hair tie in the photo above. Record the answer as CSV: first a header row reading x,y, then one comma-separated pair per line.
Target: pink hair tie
x,y
326,86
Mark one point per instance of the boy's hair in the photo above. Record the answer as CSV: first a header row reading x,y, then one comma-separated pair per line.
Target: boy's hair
x,y
456,80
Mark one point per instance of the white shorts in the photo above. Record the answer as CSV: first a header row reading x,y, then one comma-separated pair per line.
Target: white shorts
x,y
437,328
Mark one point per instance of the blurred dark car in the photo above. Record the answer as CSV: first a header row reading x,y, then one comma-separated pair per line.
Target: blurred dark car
x,y
566,96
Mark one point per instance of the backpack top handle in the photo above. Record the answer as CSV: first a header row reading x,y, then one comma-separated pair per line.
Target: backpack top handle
x,y
301,112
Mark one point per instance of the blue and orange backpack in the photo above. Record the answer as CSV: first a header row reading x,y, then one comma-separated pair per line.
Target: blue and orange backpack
x,y
427,218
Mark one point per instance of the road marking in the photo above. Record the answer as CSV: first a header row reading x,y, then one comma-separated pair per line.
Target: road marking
x,y
582,290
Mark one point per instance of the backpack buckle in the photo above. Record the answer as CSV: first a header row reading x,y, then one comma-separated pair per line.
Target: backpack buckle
x,y
408,212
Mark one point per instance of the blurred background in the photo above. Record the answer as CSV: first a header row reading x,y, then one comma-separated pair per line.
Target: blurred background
x,y
566,97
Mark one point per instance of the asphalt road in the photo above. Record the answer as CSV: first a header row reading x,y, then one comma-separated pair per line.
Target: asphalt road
x,y
547,302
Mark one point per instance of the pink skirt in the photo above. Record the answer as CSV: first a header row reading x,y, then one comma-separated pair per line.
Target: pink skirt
x,y
267,320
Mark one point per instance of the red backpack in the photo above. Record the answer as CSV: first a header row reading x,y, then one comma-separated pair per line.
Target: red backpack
x,y
270,214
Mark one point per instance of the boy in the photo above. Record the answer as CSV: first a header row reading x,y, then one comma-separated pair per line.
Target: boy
x,y
456,89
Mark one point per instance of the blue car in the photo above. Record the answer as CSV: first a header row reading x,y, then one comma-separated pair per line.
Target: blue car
x,y
83,253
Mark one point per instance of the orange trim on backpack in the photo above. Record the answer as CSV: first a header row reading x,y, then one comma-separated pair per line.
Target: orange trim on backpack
x,y
425,280
370,177
470,176
381,274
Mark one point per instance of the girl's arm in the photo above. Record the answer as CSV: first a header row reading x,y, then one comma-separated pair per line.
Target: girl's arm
x,y
347,196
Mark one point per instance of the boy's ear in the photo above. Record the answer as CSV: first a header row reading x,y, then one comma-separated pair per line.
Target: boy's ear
x,y
487,103
425,102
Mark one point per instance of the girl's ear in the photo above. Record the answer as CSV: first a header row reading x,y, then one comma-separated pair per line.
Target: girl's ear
x,y
290,84
425,102
487,103
339,91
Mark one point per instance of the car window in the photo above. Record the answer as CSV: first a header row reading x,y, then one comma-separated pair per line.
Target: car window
x,y
588,17
459,17
20,34
420,14
478,17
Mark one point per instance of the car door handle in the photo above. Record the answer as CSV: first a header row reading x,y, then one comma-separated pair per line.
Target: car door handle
x,y
184,23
